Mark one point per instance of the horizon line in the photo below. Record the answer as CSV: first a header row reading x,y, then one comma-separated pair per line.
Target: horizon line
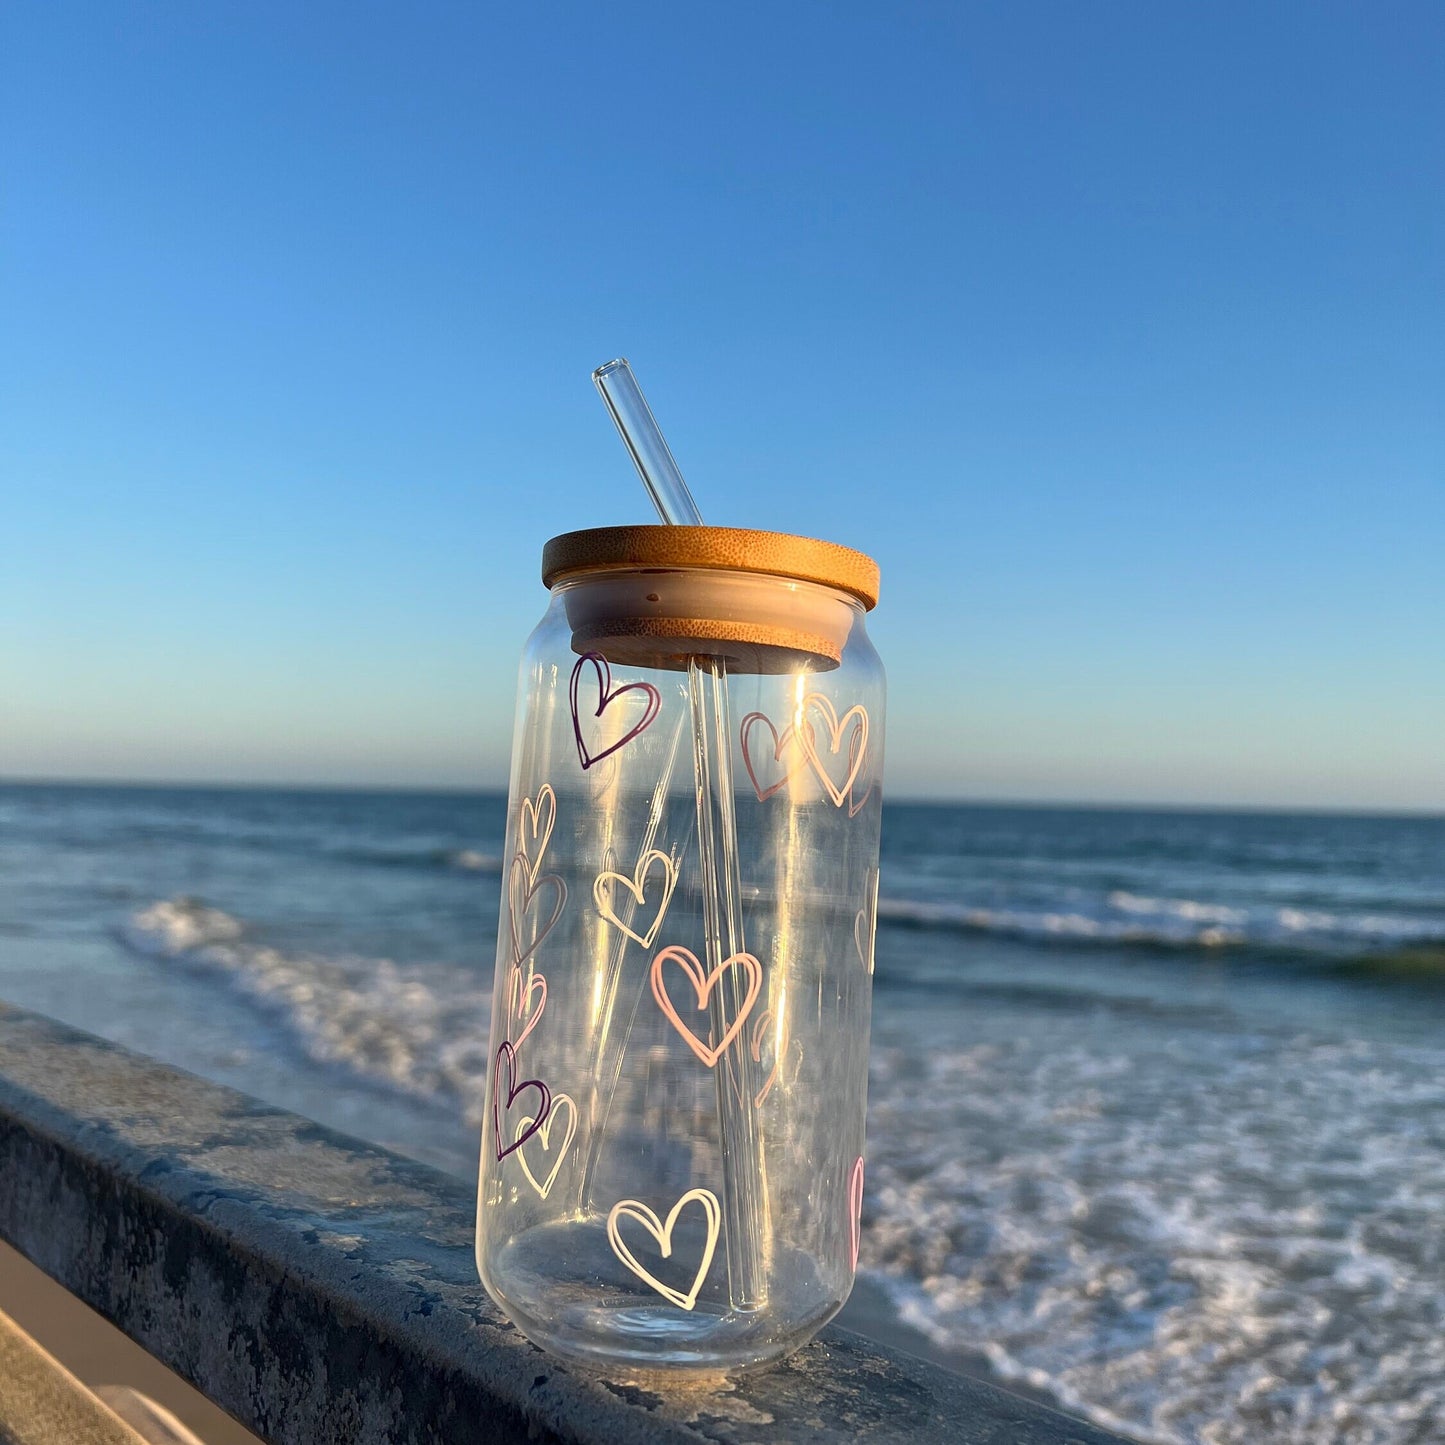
x,y
1427,812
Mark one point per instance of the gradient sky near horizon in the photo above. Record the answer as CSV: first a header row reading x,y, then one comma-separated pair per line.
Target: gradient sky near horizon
x,y
1115,332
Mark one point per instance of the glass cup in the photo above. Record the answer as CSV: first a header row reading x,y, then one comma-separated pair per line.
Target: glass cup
x,y
672,1151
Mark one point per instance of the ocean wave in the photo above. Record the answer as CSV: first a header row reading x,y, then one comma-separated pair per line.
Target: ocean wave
x,y
470,861
464,860
1176,923
418,1028
1230,1239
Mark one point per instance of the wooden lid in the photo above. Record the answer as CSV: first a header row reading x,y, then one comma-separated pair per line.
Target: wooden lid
x,y
731,549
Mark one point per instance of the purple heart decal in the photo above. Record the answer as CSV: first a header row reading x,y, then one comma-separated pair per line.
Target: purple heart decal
x,y
781,741
522,893
508,1054
606,696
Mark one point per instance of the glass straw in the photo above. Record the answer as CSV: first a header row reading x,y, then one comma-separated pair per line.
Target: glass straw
x,y
707,691
646,444
603,1090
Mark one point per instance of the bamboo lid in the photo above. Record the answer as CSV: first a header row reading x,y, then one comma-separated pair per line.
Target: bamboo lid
x,y
729,549
658,596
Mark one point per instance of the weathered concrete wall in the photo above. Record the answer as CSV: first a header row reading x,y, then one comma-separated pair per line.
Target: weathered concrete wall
x,y
323,1290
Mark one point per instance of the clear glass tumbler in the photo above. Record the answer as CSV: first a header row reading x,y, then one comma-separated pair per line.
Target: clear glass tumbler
x,y
672,1150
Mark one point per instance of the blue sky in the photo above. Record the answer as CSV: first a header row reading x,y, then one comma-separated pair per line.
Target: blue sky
x,y
1116,333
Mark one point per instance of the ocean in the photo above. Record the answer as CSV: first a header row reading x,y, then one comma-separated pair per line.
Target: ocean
x,y
1157,1118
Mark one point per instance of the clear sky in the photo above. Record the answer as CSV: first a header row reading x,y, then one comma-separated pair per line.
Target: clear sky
x,y
1115,332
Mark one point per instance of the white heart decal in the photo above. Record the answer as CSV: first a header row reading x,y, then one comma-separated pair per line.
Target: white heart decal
x,y
537,819
855,1212
603,889
836,726
662,1233
559,1101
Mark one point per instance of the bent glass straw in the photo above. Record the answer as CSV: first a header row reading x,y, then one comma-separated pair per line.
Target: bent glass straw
x,y
717,852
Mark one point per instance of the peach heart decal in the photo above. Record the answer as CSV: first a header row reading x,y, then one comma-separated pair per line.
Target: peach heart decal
x,y
607,694
787,1049
543,1134
519,1001
662,1232
780,1050
534,828
703,985
857,750
604,887
780,741
507,1055
855,1212
522,893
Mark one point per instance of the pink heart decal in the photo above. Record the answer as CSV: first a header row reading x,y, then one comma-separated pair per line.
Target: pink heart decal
x,y
780,741
508,1055
519,1001
522,893
606,696
703,985
855,1213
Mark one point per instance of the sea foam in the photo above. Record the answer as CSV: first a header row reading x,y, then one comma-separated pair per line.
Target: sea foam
x,y
421,1028
1125,918
1194,1237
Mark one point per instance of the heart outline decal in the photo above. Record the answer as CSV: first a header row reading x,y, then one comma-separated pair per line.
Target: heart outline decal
x,y
603,777
531,817
606,696
865,925
864,951
662,1232
517,996
780,1051
855,808
835,724
855,1213
544,1132
703,985
791,1054
780,741
514,1088
530,889
602,896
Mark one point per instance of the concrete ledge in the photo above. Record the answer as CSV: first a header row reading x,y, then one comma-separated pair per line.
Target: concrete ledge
x,y
322,1290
